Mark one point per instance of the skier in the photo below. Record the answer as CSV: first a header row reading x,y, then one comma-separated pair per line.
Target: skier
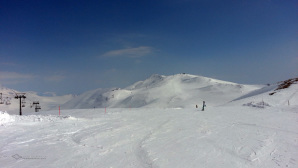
x,y
204,105
196,106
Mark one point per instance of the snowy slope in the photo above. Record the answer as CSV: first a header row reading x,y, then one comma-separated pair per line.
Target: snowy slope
x,y
220,137
273,95
176,91
46,102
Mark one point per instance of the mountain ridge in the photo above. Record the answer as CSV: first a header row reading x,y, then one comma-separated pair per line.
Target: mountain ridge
x,y
175,91
160,91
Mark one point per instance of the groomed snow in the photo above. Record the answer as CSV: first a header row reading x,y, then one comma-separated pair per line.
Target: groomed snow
x,y
219,137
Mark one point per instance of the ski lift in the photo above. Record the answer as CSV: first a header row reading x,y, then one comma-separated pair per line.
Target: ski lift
x,y
7,101
1,101
23,102
37,108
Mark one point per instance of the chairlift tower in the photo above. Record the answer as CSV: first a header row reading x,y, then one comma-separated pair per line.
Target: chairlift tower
x,y
20,96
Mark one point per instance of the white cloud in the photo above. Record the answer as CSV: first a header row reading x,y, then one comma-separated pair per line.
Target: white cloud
x,y
8,64
14,77
108,71
130,52
51,94
55,78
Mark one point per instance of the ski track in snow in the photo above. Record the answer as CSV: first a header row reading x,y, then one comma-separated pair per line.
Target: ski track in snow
x,y
153,138
141,151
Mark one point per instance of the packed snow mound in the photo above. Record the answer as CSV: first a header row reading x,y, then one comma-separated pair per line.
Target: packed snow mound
x,y
7,119
159,91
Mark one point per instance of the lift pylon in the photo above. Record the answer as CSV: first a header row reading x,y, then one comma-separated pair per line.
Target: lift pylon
x,y
20,96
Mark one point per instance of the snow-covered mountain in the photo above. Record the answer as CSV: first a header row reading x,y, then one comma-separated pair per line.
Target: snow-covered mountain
x,y
176,91
281,93
12,105
242,126
158,91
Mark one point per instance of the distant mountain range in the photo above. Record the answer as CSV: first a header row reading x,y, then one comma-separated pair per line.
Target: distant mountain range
x,y
158,91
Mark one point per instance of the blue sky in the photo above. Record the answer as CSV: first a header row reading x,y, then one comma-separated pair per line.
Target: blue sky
x,y
74,46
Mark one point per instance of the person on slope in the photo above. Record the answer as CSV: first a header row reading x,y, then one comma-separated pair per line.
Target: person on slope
x,y
204,105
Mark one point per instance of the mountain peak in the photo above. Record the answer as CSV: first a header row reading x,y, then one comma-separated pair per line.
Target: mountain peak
x,y
175,91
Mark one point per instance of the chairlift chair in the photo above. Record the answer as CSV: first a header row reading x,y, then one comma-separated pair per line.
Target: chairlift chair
x,y
1,101
23,103
37,108
8,101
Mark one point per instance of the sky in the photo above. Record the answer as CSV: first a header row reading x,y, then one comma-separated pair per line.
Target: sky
x,y
72,46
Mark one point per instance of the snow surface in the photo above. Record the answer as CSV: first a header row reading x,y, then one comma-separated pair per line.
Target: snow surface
x,y
243,126
223,137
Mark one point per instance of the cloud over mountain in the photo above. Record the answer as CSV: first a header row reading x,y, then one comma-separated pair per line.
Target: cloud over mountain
x,y
130,52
